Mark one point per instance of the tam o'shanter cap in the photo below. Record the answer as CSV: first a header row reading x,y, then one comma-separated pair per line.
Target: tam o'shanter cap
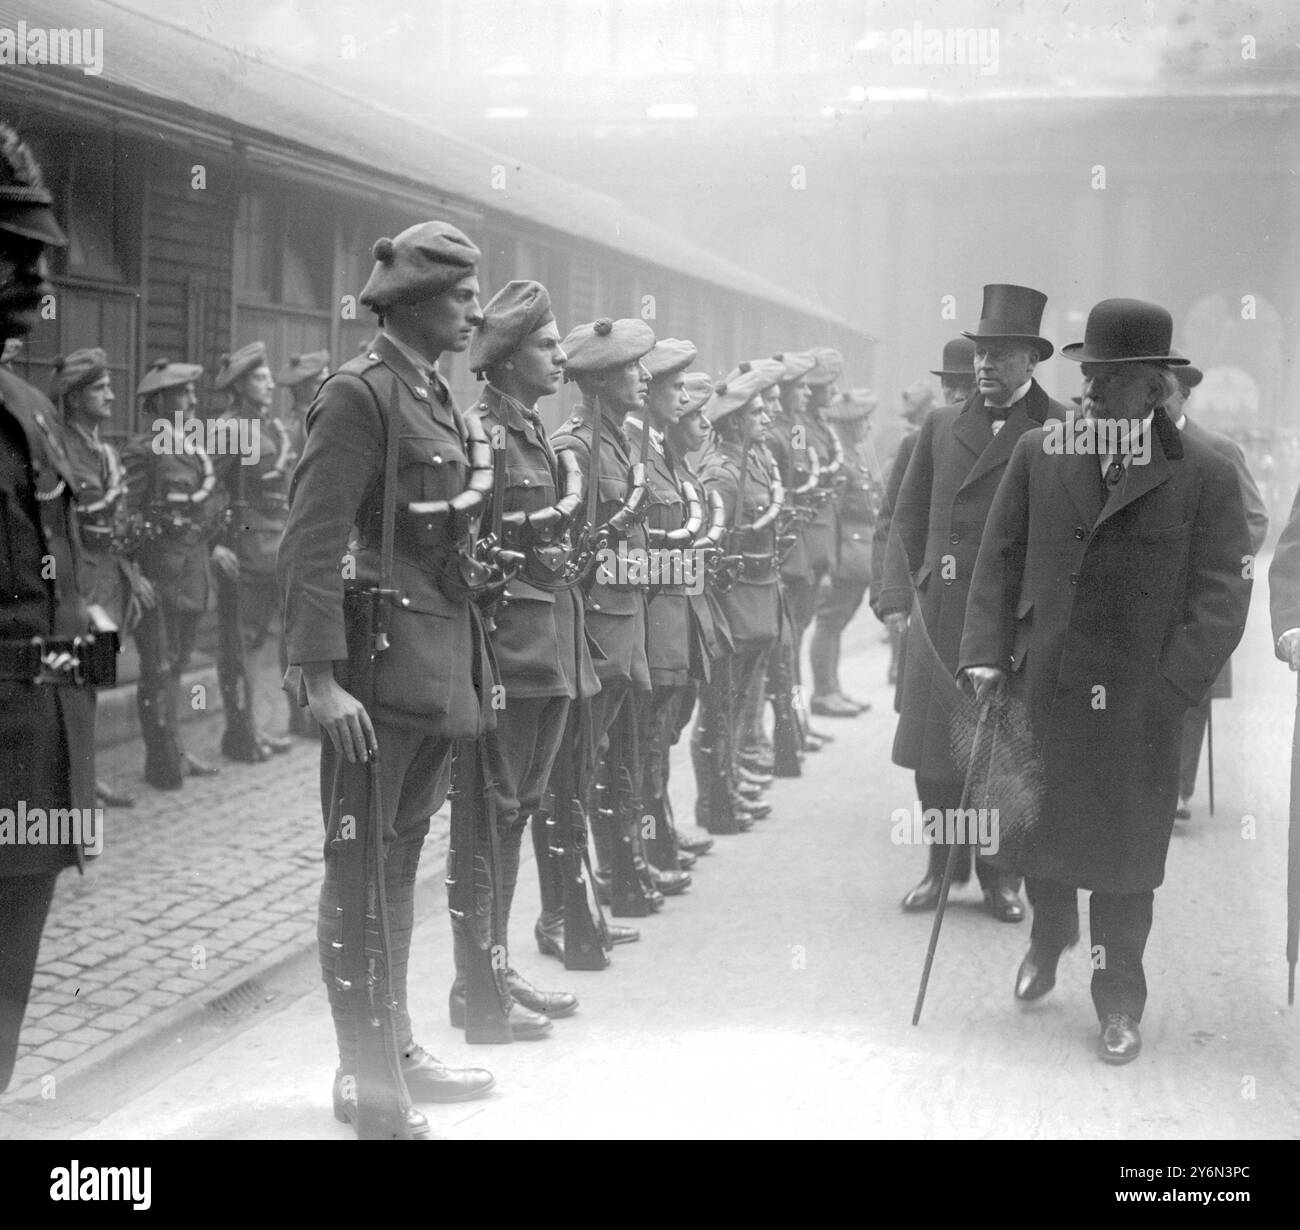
x,y
80,368
1127,331
670,356
516,310
303,367
699,388
735,392
163,374
958,358
855,404
243,361
767,371
605,343
828,366
795,364
423,261
24,199
1013,314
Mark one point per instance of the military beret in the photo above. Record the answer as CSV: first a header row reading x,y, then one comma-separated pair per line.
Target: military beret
x,y
699,388
855,404
163,374
828,368
303,367
669,357
79,368
796,364
243,361
736,392
767,371
423,261
24,199
516,310
605,343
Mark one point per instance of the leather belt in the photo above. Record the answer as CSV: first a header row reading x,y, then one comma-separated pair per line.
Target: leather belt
x,y
45,660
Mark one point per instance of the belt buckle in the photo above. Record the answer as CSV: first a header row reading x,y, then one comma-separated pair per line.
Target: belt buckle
x,y
54,669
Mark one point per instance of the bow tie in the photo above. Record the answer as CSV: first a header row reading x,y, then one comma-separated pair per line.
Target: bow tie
x,y
998,413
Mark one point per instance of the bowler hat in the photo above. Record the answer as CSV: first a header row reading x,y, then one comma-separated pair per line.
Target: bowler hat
x,y
1013,314
1127,331
958,359
1188,377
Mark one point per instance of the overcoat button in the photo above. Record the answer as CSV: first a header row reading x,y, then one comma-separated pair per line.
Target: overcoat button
x,y
955,539
1078,532
1074,578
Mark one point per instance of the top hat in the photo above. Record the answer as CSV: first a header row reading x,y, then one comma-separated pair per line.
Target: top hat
x,y
958,359
1127,331
1012,313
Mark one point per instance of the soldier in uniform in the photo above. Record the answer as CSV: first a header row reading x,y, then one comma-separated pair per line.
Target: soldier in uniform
x,y
960,455
430,679
839,599
47,708
752,606
257,506
668,618
82,389
173,518
604,360
537,635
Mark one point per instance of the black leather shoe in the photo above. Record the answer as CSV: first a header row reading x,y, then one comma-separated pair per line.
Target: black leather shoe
x,y
685,859
751,809
164,779
430,1080
694,845
604,894
813,743
194,767
748,790
547,1003
670,883
925,896
760,765
861,705
621,935
751,778
550,940
1004,903
244,749
109,797
1183,811
345,1111
1037,973
525,1024
1120,1040
275,744
833,705
818,734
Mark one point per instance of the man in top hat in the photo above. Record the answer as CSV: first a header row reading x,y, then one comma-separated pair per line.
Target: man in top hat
x,y
82,390
1111,585
605,361
384,423
536,631
256,491
47,706
838,601
1198,716
960,456
174,521
668,618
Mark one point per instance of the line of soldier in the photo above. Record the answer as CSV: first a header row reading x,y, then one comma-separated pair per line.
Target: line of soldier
x,y
524,624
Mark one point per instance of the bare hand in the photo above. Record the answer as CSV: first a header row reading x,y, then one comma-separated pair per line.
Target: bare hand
x,y
341,715
896,622
142,591
1288,647
227,561
986,680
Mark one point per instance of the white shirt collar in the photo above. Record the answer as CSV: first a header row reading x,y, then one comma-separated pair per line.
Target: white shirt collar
x,y
1015,397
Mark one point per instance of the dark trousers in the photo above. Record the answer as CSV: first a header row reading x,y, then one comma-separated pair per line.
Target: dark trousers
x,y
946,795
1195,721
164,638
659,733
1120,924
801,601
24,904
413,778
837,603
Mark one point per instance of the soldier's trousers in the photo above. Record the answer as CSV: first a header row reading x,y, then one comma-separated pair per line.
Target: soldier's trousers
x,y
712,753
837,603
1120,924
1195,721
946,796
658,734
801,600
164,638
24,904
413,782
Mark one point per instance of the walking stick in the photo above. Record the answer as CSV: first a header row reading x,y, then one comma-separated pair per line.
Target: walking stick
x,y
1209,751
954,848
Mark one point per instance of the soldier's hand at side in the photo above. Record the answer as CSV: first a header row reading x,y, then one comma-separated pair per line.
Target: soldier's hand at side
x,y
340,714
142,591
896,622
227,561
1288,648
986,680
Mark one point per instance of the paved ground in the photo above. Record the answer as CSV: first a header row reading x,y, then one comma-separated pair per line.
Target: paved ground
x,y
774,999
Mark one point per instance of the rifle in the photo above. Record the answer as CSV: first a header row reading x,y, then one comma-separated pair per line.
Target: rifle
x,y
236,686
363,968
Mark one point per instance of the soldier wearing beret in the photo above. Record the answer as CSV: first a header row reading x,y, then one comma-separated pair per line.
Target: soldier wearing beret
x,y
47,703
668,618
839,599
173,524
751,607
253,469
537,634
383,434
604,360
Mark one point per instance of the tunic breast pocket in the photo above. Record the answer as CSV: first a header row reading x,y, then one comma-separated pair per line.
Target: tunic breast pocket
x,y
529,487
430,468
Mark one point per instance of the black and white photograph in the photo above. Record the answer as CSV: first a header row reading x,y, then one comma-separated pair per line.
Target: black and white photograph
x,y
632,570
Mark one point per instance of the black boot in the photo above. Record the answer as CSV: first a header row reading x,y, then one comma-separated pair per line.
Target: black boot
x,y
163,767
925,896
